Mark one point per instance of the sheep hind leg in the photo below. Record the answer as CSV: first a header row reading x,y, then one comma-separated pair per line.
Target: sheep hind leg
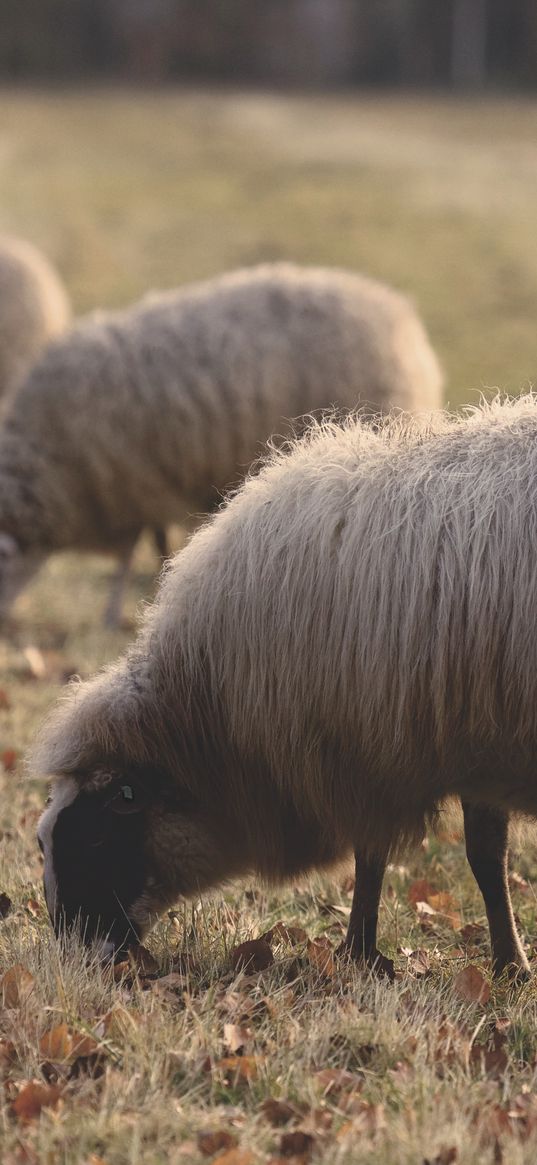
x,y
112,614
486,834
361,940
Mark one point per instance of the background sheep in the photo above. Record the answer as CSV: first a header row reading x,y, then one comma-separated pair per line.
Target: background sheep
x,y
349,642
142,417
34,308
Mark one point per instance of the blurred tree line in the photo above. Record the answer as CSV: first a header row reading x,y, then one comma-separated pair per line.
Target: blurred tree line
x,y
460,43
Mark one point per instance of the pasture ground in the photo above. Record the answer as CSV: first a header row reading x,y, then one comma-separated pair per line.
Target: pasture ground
x,y
127,191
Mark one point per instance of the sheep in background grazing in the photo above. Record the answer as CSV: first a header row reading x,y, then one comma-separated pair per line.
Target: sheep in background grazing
x,y
141,418
349,642
34,309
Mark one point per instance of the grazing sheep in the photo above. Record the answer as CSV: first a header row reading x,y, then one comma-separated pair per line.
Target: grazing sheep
x,y
141,418
34,308
348,643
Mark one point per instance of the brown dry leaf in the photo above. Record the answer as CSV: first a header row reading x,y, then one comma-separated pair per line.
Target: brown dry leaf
x,y
209,1143
419,963
444,1157
251,956
240,1067
321,956
419,891
16,986
119,1022
5,702
285,933
32,1098
492,1062
336,1080
84,1046
235,1157
6,905
56,1044
277,1112
235,1037
8,1052
470,984
473,932
297,1144
93,1160
143,960
33,907
368,1118
445,904
9,760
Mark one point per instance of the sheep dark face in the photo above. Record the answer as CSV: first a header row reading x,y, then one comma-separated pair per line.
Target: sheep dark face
x,y
117,852
17,567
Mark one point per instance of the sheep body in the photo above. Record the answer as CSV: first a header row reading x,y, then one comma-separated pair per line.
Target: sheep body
x,y
347,644
142,417
34,309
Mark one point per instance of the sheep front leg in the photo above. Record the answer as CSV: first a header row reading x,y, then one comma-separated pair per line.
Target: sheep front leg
x,y
361,940
112,614
486,833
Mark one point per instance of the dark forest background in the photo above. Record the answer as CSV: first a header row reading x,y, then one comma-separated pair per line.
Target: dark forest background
x,y
460,44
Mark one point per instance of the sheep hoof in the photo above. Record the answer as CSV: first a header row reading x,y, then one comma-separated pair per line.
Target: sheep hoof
x,y
379,964
516,973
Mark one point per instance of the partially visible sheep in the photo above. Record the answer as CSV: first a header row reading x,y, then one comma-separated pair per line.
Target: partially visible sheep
x,y
348,643
141,418
34,308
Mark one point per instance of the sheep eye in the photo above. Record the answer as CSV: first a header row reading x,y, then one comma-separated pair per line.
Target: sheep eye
x,y
127,792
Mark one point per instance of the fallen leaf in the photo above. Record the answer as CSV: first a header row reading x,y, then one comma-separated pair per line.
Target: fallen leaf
x,y
9,759
277,1112
297,1144
419,891
282,932
16,986
32,1098
33,907
321,956
254,955
5,702
8,1052
209,1143
143,960
470,984
56,1044
119,1023
336,1080
241,1067
419,963
6,905
235,1157
235,1037
473,932
444,1157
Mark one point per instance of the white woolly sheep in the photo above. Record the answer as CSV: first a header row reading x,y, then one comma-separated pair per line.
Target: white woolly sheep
x,y
34,309
141,418
348,643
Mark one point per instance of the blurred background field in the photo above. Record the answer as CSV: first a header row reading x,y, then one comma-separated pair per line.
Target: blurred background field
x,y
128,190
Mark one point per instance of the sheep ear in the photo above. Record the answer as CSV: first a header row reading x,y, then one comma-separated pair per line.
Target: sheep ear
x,y
9,546
130,797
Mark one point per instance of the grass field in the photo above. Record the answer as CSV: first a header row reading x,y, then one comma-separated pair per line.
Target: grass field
x,y
131,191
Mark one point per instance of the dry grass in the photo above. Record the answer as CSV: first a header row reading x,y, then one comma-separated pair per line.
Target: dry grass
x,y
128,192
